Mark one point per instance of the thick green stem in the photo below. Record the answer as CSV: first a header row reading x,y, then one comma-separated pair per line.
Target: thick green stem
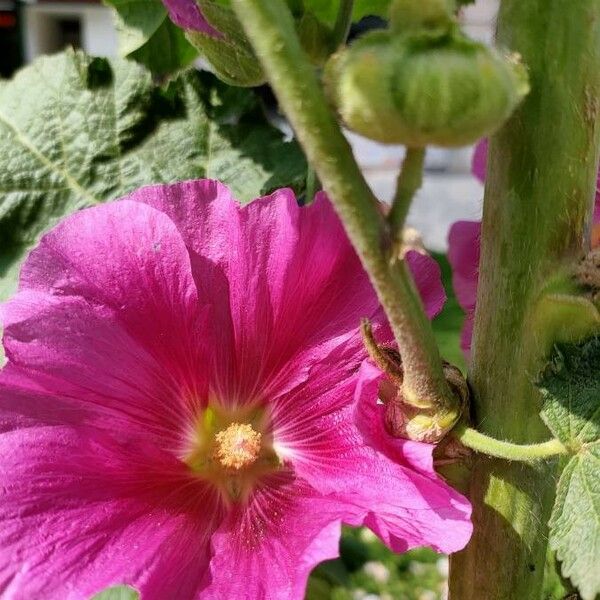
x,y
410,180
539,191
270,29
471,438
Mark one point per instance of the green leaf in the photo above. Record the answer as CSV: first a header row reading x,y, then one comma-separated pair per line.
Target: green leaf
x,y
448,324
118,592
147,35
327,10
570,387
76,131
575,522
231,55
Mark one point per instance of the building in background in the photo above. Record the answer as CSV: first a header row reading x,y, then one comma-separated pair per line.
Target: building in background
x,y
49,26
29,28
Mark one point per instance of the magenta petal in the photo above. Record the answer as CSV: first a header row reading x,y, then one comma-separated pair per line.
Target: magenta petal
x,y
130,318
479,162
463,255
343,450
186,14
108,312
408,507
369,417
281,277
427,275
285,285
274,542
78,514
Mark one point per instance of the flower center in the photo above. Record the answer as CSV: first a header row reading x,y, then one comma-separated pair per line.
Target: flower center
x,y
237,446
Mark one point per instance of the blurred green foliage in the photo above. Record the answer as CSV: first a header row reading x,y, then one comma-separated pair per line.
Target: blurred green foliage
x,y
447,325
367,570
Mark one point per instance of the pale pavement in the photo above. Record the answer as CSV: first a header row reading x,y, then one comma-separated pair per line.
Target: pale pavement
x,y
449,193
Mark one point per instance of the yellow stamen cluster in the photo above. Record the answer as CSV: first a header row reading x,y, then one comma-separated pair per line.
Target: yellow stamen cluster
x,y
238,446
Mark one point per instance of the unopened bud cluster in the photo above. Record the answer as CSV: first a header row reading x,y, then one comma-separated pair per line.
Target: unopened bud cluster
x,y
422,81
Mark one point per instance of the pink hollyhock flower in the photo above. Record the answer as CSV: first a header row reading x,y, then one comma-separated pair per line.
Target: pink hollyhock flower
x,y
464,250
187,15
184,408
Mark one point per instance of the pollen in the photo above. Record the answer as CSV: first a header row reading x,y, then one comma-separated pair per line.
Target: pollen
x,y
238,446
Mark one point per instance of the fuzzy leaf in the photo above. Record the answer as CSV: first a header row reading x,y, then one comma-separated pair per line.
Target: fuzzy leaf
x,y
570,387
575,522
147,35
76,131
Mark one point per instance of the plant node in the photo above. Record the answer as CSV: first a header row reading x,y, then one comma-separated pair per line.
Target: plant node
x,y
404,419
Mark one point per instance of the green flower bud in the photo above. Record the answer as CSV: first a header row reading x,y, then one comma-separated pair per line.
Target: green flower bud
x,y
566,309
421,88
417,14
411,421
408,422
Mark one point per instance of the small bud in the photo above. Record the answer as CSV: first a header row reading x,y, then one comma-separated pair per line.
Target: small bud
x,y
416,421
406,421
419,88
417,14
567,306
563,318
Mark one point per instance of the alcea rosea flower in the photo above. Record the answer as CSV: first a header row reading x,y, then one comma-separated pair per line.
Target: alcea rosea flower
x,y
464,250
187,408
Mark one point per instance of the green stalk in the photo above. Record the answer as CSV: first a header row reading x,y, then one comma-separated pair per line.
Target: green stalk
x,y
270,29
539,191
471,438
410,180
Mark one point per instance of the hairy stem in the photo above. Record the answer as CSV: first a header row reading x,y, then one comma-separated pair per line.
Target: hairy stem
x,y
270,29
471,438
539,192
410,180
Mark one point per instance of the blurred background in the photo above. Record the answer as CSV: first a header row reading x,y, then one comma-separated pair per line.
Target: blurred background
x,y
366,570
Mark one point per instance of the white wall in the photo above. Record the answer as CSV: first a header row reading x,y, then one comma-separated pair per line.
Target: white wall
x,y
98,34
479,19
